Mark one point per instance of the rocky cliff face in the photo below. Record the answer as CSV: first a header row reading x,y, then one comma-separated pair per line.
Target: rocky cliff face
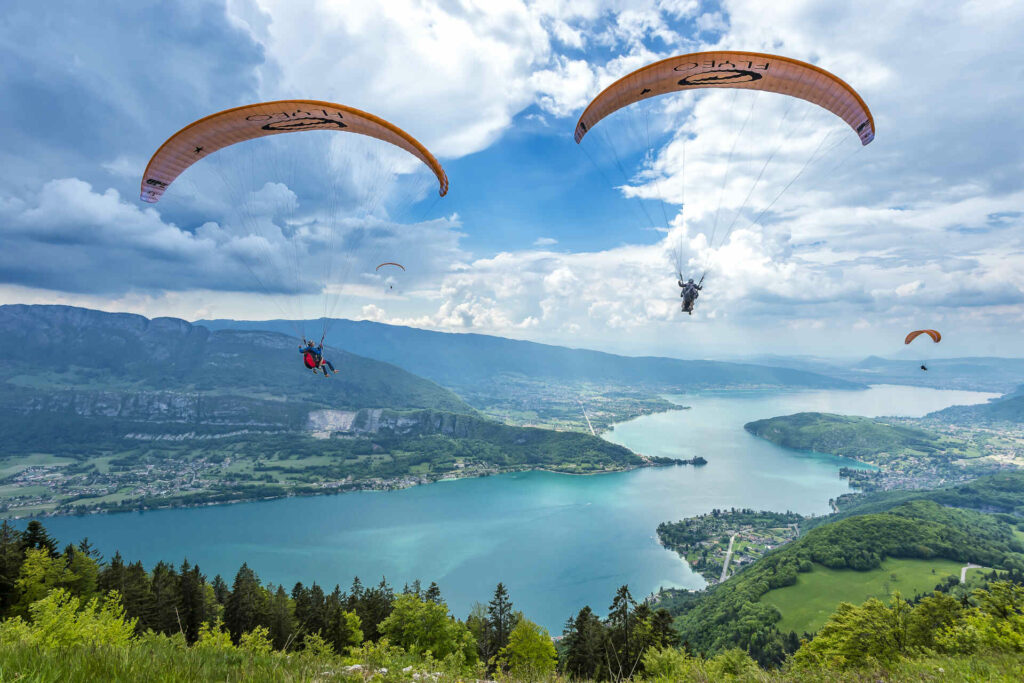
x,y
377,421
380,421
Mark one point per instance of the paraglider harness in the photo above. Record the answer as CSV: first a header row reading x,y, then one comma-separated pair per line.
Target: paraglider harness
x,y
313,357
690,294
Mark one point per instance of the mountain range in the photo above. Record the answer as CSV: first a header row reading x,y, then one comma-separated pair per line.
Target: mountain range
x,y
468,360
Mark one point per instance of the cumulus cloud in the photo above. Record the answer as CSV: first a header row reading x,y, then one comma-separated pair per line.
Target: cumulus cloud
x,y
72,238
925,223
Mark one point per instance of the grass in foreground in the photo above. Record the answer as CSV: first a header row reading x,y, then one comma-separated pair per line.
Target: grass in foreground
x,y
161,661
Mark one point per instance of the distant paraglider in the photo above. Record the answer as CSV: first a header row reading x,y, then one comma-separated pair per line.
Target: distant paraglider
x,y
391,285
934,334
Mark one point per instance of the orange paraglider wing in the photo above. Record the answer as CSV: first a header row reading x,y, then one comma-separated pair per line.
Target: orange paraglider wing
x,y
934,334
747,70
207,135
389,263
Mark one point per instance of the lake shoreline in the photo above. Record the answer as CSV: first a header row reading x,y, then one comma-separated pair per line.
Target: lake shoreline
x,y
326,490
557,542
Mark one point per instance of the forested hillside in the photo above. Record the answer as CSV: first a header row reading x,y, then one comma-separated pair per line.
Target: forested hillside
x,y
860,438
906,456
1001,493
1008,410
105,411
732,613
59,359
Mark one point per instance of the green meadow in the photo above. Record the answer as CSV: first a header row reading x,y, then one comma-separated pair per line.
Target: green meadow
x,y
807,604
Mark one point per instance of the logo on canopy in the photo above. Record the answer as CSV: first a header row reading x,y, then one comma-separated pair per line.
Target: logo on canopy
x,y
721,77
304,123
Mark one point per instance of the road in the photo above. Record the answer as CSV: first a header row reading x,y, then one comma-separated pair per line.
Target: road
x,y
963,571
587,418
728,556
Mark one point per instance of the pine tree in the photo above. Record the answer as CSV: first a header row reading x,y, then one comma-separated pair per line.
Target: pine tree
x,y
82,573
192,610
87,549
245,608
35,536
661,626
138,598
281,620
620,632
433,594
220,590
500,619
585,643
165,599
371,605
112,576
476,622
316,616
12,555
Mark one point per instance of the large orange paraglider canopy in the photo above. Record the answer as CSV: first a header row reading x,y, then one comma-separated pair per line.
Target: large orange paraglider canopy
x,y
746,70
934,334
207,135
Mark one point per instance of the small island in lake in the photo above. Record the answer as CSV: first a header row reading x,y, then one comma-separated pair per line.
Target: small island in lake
x,y
661,460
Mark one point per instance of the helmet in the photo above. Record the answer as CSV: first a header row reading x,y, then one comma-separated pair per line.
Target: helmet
x,y
690,281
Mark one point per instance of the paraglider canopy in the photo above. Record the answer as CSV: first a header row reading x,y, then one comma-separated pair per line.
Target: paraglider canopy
x,y
746,70
214,132
934,334
389,263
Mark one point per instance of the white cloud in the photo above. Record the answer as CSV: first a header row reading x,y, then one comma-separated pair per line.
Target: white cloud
x,y
928,221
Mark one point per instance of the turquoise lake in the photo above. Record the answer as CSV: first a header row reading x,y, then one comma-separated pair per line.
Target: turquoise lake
x,y
558,542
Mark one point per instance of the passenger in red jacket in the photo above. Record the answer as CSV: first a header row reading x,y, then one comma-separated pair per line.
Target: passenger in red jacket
x,y
313,357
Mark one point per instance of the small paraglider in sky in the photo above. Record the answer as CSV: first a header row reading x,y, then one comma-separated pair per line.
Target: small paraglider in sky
x,y
391,285
934,334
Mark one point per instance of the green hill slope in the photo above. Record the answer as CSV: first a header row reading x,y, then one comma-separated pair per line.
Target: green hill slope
x,y
861,438
115,411
73,355
732,614
1007,410
1001,493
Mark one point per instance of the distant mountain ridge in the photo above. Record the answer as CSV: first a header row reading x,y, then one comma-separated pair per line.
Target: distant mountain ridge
x,y
61,359
971,373
102,411
466,359
1008,409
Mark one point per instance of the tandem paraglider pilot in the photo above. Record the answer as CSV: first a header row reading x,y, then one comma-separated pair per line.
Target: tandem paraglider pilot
x,y
313,357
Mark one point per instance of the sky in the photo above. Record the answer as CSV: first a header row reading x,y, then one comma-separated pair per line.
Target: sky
x,y
819,247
